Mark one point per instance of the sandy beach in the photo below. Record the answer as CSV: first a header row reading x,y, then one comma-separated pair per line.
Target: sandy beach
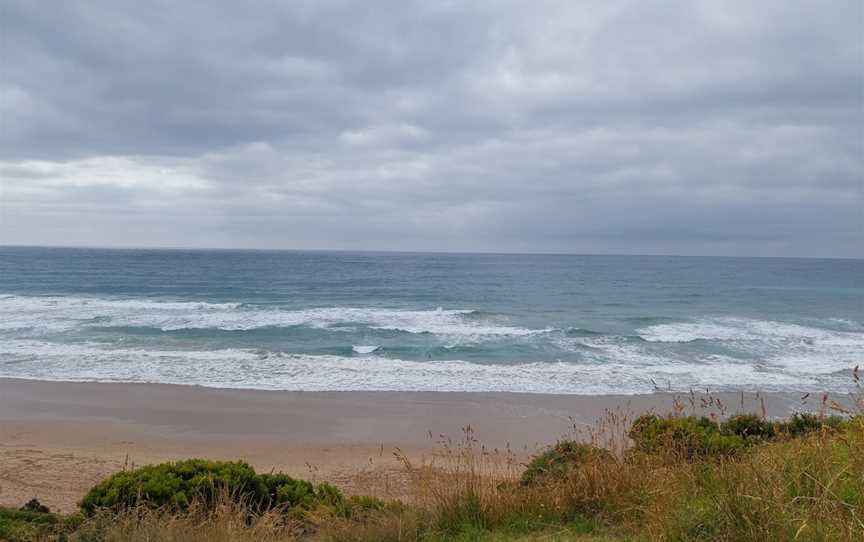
x,y
58,438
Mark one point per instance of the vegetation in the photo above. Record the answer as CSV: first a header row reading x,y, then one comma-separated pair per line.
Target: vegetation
x,y
172,486
691,437
560,461
800,424
680,478
25,525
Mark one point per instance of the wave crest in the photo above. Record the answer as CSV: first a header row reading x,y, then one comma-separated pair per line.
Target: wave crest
x,y
261,369
67,313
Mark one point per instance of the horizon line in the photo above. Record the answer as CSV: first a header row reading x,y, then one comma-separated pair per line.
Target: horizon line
x,y
391,251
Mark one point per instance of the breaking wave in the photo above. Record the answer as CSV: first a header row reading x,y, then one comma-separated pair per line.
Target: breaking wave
x,y
66,313
256,369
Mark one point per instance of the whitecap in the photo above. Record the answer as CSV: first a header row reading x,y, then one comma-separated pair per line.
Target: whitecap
x,y
782,345
239,368
60,313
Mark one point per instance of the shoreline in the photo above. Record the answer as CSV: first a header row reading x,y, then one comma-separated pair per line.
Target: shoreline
x,y
657,391
58,438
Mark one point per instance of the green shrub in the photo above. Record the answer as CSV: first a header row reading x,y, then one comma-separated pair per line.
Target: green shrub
x,y
649,432
559,461
688,436
748,426
26,526
175,485
802,423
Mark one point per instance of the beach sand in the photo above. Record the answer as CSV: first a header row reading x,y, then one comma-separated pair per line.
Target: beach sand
x,y
58,438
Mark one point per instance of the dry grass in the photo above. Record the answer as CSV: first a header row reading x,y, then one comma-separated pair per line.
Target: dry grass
x,y
804,489
228,522
808,489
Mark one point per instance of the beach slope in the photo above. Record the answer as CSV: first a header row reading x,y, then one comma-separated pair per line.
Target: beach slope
x,y
59,438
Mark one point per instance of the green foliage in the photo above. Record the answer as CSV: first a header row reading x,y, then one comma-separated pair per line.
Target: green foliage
x,y
697,437
560,461
748,426
802,423
689,436
24,526
175,485
809,488
694,437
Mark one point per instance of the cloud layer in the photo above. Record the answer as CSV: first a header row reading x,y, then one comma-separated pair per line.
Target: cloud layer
x,y
647,127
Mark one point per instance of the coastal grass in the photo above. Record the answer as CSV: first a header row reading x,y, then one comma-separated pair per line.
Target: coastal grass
x,y
677,477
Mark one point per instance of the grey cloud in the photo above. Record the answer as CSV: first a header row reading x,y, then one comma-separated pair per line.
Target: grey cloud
x,y
691,127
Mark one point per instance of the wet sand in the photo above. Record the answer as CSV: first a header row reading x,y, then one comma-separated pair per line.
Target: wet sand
x,y
58,438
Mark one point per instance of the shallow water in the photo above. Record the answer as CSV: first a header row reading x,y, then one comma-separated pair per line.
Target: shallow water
x,y
443,322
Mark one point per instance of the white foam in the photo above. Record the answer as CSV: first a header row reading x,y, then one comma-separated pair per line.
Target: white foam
x,y
763,354
846,324
784,346
265,370
726,329
52,314
363,349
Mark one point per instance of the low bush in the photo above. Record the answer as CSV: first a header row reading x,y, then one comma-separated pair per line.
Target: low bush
x,y
694,437
175,485
803,423
560,461
27,525
748,426
689,437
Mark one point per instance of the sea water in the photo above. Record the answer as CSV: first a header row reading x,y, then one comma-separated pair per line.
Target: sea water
x,y
439,322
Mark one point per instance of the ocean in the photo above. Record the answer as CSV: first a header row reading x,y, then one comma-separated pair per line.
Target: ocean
x,y
439,322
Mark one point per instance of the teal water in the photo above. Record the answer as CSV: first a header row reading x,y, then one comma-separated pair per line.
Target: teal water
x,y
448,322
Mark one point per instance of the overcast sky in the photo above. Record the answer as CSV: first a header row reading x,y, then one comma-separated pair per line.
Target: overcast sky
x,y
688,127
